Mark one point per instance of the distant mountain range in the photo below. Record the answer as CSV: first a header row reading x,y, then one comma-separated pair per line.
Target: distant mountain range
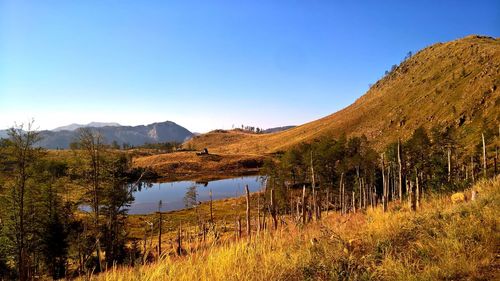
x,y
133,135
74,126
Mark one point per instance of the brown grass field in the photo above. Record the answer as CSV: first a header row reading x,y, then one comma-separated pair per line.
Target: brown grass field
x,y
441,241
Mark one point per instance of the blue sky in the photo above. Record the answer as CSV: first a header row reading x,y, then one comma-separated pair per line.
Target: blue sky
x,y
211,64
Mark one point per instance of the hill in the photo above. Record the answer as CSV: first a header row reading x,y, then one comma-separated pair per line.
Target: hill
x,y
453,84
133,135
188,165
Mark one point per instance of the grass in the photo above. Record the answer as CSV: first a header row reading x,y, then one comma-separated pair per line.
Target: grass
x,y
442,241
225,212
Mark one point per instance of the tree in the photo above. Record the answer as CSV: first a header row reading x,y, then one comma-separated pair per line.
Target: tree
x,y
408,55
91,142
23,155
54,217
115,145
117,196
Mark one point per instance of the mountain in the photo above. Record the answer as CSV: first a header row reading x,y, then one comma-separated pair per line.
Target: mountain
x,y
453,84
75,126
3,134
133,135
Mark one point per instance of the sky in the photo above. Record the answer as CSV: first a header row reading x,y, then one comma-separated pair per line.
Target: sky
x,y
211,64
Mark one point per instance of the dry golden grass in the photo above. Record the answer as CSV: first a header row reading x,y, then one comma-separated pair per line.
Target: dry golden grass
x,y
225,212
439,85
442,241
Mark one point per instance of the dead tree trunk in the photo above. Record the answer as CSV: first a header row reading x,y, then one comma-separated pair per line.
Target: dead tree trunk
x,y
249,231
472,168
449,164
315,203
496,160
297,215
411,197
359,189
400,166
484,157
384,186
179,241
258,213
327,200
238,227
342,195
363,186
417,195
159,235
211,207
273,211
353,202
304,204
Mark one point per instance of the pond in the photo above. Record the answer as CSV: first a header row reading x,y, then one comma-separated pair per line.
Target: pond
x,y
181,194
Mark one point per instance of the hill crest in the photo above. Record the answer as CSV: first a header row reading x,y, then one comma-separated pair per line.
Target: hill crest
x,y
453,84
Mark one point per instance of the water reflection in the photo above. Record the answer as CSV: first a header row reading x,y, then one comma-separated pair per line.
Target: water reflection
x,y
190,197
186,194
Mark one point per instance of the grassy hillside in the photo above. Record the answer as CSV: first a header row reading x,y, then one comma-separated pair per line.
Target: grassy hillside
x,y
179,165
447,84
441,241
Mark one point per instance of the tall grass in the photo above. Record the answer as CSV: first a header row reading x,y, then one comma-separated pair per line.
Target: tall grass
x,y
441,241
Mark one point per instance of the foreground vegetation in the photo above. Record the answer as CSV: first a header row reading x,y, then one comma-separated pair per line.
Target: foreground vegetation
x,y
442,241
66,217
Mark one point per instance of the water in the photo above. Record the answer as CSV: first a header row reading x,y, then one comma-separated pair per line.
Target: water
x,y
176,195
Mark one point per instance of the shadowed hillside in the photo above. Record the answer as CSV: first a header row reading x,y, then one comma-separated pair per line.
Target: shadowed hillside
x,y
452,84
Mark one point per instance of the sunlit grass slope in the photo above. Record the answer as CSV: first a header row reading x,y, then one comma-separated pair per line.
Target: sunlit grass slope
x,y
452,84
442,241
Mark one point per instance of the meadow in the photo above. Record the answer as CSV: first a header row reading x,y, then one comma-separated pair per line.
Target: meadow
x,y
440,241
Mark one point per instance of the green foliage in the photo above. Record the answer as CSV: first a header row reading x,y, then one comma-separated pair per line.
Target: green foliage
x,y
162,146
422,155
38,228
330,159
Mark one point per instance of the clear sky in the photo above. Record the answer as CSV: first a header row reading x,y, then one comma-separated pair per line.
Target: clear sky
x,y
211,64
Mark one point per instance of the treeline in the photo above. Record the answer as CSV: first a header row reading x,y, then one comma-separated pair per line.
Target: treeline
x,y
61,215
347,174
251,129
165,147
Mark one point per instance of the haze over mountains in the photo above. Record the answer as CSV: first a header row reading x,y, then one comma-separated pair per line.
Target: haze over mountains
x,y
167,131
62,137
74,126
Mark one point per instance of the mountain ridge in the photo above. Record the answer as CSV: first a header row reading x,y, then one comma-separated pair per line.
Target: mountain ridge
x,y
167,131
75,126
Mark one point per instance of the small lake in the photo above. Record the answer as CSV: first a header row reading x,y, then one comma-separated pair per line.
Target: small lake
x,y
181,194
